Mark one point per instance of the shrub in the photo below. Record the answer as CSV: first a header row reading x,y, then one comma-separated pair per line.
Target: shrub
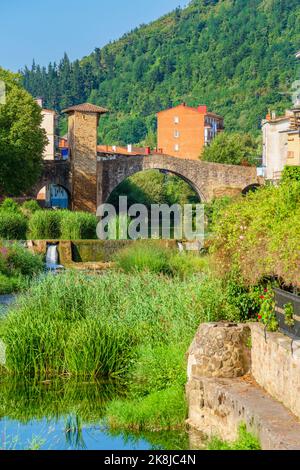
x,y
13,226
30,207
45,224
78,225
291,173
22,261
8,285
9,205
257,236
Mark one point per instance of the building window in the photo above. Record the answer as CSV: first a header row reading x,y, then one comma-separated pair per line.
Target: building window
x,y
176,120
176,148
176,134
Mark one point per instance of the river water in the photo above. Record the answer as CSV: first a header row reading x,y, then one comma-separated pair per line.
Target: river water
x,y
64,414
67,415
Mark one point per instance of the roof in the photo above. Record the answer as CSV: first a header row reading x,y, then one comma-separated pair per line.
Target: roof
x,y
191,108
86,108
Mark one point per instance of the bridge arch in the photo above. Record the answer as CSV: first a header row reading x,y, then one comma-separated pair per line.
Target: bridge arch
x,y
199,193
112,171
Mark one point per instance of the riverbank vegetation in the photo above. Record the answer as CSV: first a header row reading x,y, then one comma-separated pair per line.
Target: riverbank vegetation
x,y
136,321
245,441
30,221
17,267
258,236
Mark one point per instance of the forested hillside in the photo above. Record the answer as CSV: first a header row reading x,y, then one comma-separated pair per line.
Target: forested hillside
x,y
237,56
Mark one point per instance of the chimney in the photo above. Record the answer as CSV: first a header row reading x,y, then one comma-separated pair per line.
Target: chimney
x,y
273,115
202,108
129,148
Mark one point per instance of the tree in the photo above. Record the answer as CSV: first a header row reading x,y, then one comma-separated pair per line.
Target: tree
x,y
22,140
233,149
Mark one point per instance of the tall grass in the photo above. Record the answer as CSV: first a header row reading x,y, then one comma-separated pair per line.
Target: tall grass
x,y
150,256
78,226
13,225
73,324
44,224
160,410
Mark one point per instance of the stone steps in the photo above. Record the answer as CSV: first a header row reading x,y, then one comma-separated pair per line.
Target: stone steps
x,y
217,405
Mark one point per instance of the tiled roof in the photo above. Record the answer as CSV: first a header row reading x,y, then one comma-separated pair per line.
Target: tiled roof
x,y
86,108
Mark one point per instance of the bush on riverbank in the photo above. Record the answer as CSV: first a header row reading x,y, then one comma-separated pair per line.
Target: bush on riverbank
x,y
258,236
17,267
13,225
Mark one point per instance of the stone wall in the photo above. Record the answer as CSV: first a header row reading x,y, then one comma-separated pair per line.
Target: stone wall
x,y
220,350
276,366
207,179
235,378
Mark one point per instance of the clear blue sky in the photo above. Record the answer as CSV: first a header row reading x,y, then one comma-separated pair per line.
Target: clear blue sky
x,y
45,29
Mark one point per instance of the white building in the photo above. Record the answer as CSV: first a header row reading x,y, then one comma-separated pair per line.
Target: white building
x,y
275,144
49,124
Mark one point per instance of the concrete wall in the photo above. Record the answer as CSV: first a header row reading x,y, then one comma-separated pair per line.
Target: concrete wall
x,y
276,366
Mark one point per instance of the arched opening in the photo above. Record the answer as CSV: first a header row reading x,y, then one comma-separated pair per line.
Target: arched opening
x,y
155,187
250,189
53,196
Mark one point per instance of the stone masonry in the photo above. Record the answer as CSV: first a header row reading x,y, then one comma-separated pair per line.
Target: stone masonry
x,y
82,138
220,350
209,180
235,378
90,176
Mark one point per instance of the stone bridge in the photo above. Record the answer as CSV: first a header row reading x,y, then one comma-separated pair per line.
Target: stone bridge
x,y
90,176
209,180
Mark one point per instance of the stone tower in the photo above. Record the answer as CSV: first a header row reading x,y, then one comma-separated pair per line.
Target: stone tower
x,y
83,120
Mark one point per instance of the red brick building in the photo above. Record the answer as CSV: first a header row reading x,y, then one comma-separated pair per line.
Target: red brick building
x,y
183,131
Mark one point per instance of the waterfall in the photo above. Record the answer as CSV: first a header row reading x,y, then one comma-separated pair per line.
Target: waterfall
x,y
180,247
52,257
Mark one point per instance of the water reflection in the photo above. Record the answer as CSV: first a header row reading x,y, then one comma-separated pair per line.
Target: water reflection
x,y
68,415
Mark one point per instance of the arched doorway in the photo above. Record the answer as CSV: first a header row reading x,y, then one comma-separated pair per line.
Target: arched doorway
x,y
53,196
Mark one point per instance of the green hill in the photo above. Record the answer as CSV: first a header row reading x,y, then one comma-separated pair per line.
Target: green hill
x,y
236,56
